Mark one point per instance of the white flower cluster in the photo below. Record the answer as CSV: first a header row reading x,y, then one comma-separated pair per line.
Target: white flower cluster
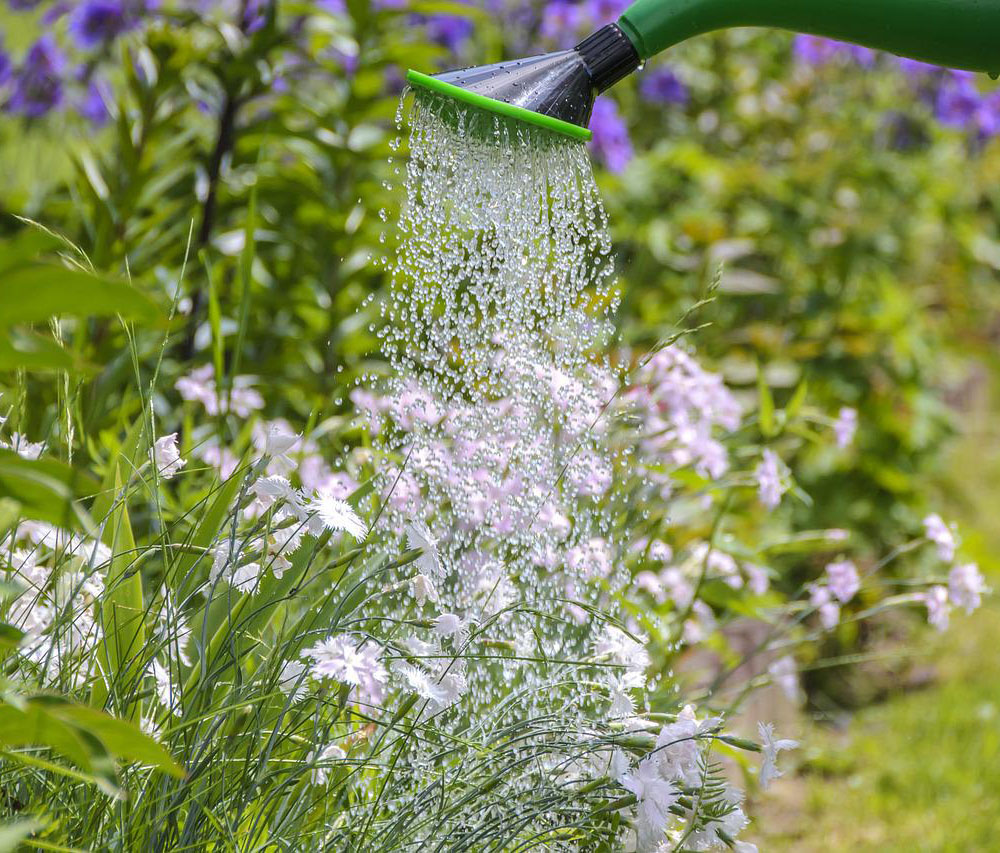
x,y
293,512
675,767
62,576
682,406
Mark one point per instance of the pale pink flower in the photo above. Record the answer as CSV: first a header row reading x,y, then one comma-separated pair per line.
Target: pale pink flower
x,y
772,480
938,608
845,426
843,580
785,674
167,457
941,535
966,586
829,610
358,666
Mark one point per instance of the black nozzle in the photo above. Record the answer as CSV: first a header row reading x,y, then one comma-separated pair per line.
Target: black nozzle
x,y
609,56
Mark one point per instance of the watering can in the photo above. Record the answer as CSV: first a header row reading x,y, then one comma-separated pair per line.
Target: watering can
x,y
557,90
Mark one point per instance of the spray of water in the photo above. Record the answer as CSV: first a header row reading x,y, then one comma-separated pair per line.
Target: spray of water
x,y
493,431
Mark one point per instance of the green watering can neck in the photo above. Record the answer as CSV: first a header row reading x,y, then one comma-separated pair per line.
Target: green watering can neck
x,y
557,90
955,33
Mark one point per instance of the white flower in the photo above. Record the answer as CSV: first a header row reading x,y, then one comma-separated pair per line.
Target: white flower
x,y
655,797
449,625
327,756
291,680
772,479
246,578
617,646
729,825
165,689
966,586
744,847
771,747
942,536
785,673
267,492
421,682
618,765
938,608
359,666
677,748
423,589
842,578
167,457
845,426
24,448
338,515
622,704
419,536
279,441
441,689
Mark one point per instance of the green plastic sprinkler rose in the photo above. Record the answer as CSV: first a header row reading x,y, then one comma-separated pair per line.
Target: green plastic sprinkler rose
x,y
557,90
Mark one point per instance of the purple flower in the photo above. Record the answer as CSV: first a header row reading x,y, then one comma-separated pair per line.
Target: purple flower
x,y
610,143
662,86
449,30
38,82
957,100
601,12
332,7
4,64
23,4
915,68
254,16
93,106
55,12
561,22
96,22
819,51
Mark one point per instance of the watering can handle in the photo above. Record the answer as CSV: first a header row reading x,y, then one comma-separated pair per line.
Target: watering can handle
x,y
955,33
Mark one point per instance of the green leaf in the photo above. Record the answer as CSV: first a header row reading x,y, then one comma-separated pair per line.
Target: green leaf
x,y
766,404
10,637
34,726
13,833
46,489
10,513
26,247
30,351
123,619
121,738
798,399
34,292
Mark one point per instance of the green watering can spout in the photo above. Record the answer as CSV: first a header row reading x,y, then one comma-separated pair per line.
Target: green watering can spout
x,y
557,90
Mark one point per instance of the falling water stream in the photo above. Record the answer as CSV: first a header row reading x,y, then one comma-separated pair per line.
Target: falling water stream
x,y
494,423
